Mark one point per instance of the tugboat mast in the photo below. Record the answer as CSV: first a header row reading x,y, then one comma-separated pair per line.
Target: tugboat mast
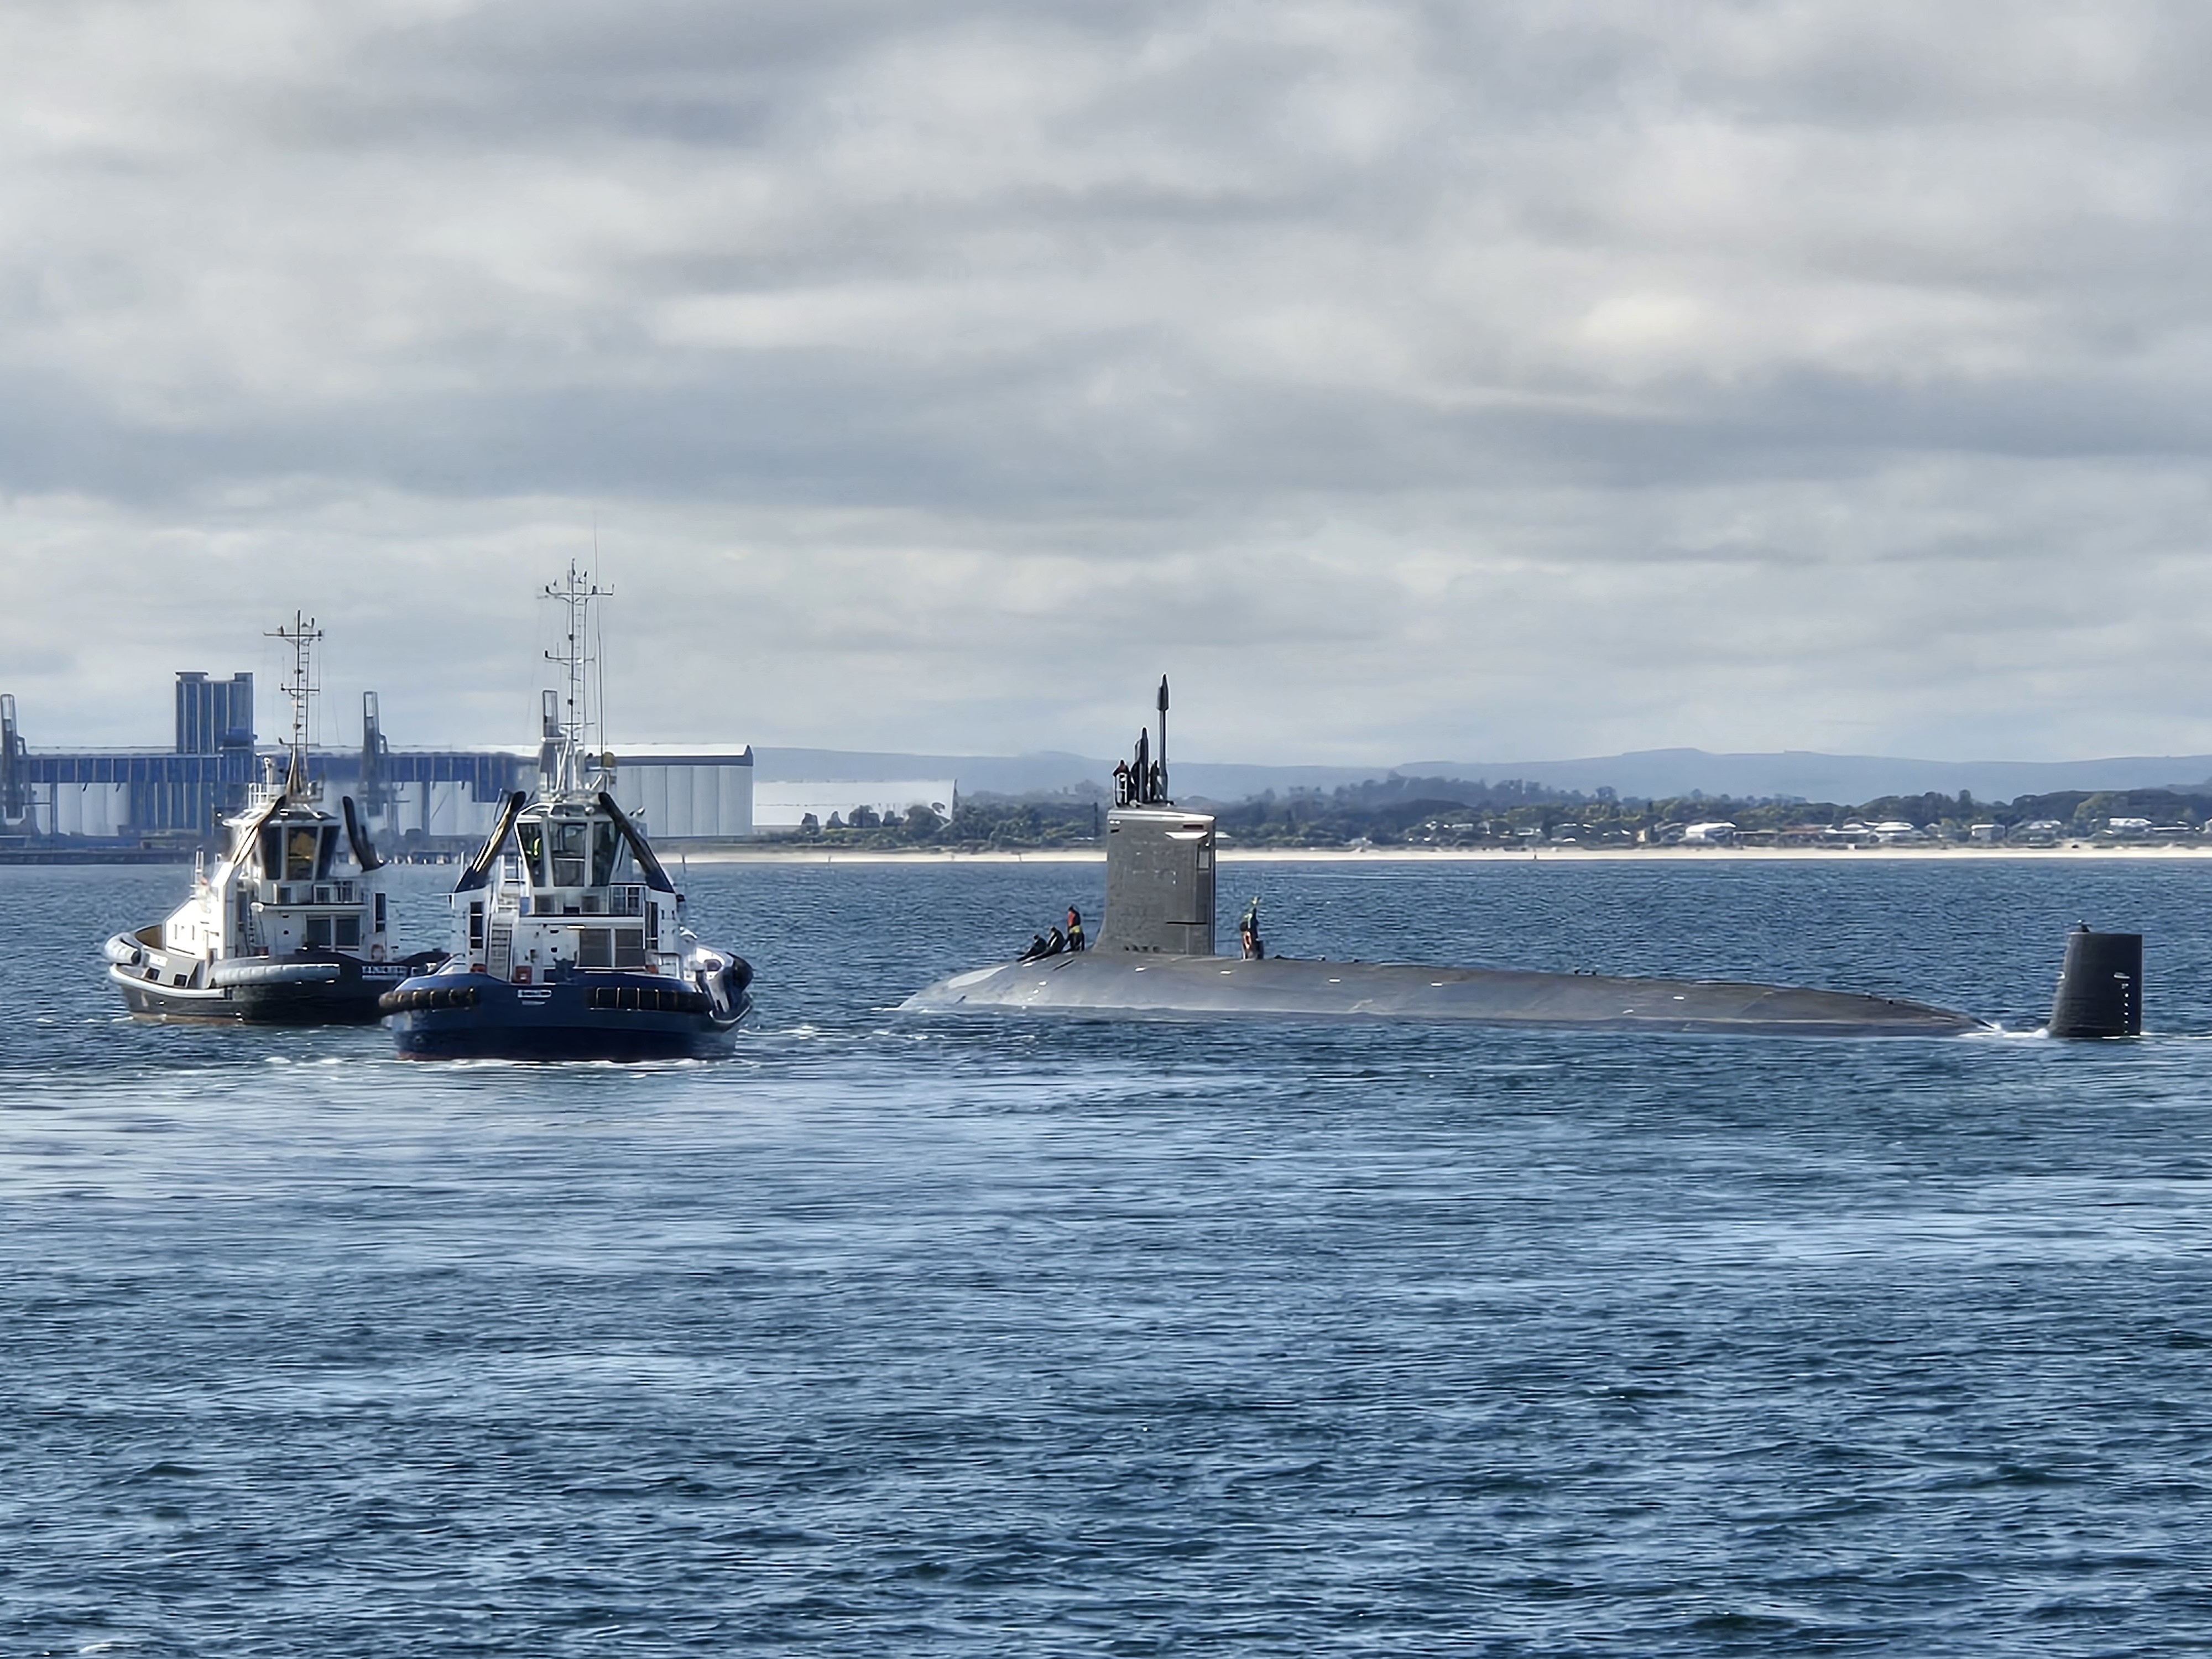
x,y
300,688
576,592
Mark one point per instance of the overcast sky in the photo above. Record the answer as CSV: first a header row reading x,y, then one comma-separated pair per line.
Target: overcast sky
x,y
1476,381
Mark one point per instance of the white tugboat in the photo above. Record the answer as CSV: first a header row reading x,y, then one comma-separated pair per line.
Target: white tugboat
x,y
291,925
568,937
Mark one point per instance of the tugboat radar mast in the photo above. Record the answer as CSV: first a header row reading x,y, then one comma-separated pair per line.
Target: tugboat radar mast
x,y
300,688
570,730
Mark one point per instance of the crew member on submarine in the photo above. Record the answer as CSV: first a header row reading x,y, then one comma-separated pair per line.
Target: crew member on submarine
x,y
1248,932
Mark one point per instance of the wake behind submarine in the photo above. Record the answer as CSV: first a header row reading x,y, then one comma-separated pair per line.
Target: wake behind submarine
x,y
1155,959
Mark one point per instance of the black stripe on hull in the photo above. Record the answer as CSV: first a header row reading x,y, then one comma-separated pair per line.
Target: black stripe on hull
x,y
580,1018
350,1000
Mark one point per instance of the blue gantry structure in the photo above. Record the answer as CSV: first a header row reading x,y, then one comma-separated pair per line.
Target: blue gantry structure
x,y
150,803
64,805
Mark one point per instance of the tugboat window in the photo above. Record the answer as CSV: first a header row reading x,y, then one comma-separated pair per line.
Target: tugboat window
x,y
569,854
348,933
318,933
629,947
272,852
300,854
531,831
594,948
606,851
329,854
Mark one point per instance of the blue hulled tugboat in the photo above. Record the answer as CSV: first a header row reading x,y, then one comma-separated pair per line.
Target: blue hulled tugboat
x,y
291,925
568,937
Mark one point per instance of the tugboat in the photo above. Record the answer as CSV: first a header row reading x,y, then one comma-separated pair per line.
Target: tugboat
x,y
568,937
282,931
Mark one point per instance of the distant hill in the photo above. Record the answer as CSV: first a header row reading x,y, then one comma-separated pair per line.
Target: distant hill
x,y
1657,773
1651,772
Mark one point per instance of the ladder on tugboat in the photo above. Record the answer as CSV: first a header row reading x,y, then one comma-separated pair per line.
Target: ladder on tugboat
x,y
498,949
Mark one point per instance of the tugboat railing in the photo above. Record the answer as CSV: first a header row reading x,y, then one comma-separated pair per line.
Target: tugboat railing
x,y
568,901
307,892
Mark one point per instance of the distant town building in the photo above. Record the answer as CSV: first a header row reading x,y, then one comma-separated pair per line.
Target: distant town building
x,y
782,806
1719,832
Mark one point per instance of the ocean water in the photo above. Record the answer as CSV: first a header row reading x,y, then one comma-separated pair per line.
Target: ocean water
x,y
890,1337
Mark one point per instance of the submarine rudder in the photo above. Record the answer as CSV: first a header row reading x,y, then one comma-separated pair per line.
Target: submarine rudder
x,y
2099,986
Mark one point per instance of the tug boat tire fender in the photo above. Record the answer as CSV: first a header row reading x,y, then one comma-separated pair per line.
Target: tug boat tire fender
x,y
234,971
726,987
124,951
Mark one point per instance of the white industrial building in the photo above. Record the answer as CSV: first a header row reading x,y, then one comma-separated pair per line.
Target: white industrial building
x,y
681,792
97,810
677,791
441,808
782,804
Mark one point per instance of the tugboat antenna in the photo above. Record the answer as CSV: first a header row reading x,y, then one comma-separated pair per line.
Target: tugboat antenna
x,y
576,592
300,688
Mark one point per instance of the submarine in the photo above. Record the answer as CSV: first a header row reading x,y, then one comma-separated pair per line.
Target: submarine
x,y
1155,959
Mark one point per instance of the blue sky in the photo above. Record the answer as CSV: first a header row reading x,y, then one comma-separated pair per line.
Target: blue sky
x,y
1488,380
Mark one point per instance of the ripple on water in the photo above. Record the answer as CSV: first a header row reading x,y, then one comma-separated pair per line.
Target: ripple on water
x,y
1037,1338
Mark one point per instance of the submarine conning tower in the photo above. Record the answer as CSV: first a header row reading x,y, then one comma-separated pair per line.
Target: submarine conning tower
x,y
1159,859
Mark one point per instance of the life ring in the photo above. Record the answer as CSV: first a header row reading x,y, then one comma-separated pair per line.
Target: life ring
x,y
376,952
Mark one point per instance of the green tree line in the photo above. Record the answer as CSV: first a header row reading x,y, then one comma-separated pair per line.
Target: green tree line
x,y
1444,811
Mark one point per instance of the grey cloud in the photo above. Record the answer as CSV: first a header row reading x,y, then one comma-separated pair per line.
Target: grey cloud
x,y
1436,378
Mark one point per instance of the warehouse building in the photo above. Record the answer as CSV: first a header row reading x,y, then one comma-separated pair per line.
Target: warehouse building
x,y
426,801
682,791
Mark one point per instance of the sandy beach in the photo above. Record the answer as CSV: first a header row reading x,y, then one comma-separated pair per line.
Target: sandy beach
x,y
1232,855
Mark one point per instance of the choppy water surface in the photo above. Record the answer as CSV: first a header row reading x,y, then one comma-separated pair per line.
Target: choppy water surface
x,y
896,1338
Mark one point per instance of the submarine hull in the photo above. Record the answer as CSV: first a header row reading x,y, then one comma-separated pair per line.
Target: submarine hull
x,y
1159,986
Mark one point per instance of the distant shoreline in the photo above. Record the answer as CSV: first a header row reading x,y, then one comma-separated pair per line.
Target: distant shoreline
x,y
2068,853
